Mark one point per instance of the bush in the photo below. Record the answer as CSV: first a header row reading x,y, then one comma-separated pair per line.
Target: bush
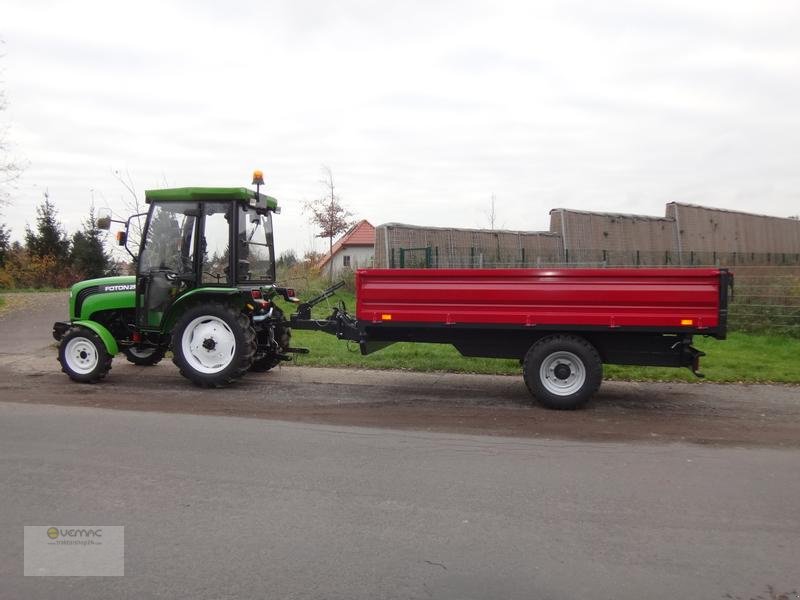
x,y
21,270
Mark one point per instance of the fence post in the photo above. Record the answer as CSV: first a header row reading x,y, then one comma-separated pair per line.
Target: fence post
x,y
391,264
472,257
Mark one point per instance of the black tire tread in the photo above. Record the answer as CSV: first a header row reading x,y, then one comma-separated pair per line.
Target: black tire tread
x,y
594,371
105,359
148,361
245,358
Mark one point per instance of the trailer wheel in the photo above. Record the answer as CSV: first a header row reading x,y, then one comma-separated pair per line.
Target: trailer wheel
x,y
83,355
144,356
213,344
562,371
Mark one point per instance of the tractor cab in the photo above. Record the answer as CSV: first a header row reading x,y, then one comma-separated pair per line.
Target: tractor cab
x,y
202,238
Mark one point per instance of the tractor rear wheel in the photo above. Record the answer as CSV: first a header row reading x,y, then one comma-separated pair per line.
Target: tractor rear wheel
x,y
144,356
83,355
213,344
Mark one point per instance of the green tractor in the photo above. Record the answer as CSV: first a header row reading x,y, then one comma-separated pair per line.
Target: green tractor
x,y
204,288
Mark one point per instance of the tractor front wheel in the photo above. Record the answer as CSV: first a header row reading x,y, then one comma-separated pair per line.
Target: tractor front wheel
x,y
213,344
83,356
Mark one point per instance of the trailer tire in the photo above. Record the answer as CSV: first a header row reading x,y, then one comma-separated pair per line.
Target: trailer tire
x,y
213,344
83,355
562,371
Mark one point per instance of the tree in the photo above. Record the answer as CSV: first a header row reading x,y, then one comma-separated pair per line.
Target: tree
x,y
5,243
49,238
491,214
9,169
88,255
287,259
328,214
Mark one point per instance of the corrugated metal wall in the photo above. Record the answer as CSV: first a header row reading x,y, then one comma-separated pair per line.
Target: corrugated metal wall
x,y
399,245
687,235
708,229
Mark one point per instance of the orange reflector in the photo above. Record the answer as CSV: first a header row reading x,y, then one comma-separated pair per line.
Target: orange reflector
x,y
687,322
386,317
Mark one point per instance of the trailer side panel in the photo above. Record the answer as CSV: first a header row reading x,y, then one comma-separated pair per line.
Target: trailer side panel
x,y
665,300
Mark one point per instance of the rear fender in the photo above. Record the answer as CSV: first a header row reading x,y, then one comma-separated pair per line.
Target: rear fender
x,y
105,335
199,294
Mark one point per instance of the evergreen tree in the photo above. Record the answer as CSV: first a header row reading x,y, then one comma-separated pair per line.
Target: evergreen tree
x,y
88,255
287,259
49,238
5,243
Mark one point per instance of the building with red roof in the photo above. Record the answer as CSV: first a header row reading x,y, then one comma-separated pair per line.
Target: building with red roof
x,y
354,249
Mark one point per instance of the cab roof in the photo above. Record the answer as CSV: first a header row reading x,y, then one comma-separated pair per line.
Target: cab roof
x,y
212,194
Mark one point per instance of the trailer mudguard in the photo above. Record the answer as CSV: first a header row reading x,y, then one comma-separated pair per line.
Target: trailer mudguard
x,y
105,335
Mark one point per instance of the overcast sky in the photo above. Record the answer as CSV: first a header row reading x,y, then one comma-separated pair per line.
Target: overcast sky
x,y
423,110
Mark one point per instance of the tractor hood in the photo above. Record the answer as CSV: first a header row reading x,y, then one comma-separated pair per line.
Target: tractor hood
x,y
104,293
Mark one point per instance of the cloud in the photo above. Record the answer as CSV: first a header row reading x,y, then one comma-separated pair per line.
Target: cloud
x,y
423,110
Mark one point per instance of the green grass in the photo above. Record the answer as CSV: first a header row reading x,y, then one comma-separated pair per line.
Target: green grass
x,y
743,357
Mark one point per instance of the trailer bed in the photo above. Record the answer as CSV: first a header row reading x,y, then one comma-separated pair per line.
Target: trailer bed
x,y
663,300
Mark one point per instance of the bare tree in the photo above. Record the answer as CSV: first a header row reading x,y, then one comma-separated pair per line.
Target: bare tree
x,y
9,168
132,205
328,214
491,214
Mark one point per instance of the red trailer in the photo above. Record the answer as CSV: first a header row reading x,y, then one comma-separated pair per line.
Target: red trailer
x,y
562,324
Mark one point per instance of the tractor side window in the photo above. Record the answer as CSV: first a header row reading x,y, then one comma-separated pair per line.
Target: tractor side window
x,y
168,241
255,246
216,247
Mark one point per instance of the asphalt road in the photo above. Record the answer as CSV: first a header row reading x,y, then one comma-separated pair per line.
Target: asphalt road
x,y
220,507
654,491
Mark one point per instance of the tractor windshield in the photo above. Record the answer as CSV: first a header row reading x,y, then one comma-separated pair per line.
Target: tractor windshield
x,y
168,240
255,246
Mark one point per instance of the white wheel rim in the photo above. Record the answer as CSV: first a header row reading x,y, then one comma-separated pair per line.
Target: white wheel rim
x,y
141,352
81,355
562,373
208,344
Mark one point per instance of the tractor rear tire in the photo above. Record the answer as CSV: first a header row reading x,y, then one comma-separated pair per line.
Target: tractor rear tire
x,y
562,371
213,344
83,355
145,356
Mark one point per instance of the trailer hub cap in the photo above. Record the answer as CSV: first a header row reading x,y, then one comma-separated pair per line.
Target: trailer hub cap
x,y
562,373
208,344
81,355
